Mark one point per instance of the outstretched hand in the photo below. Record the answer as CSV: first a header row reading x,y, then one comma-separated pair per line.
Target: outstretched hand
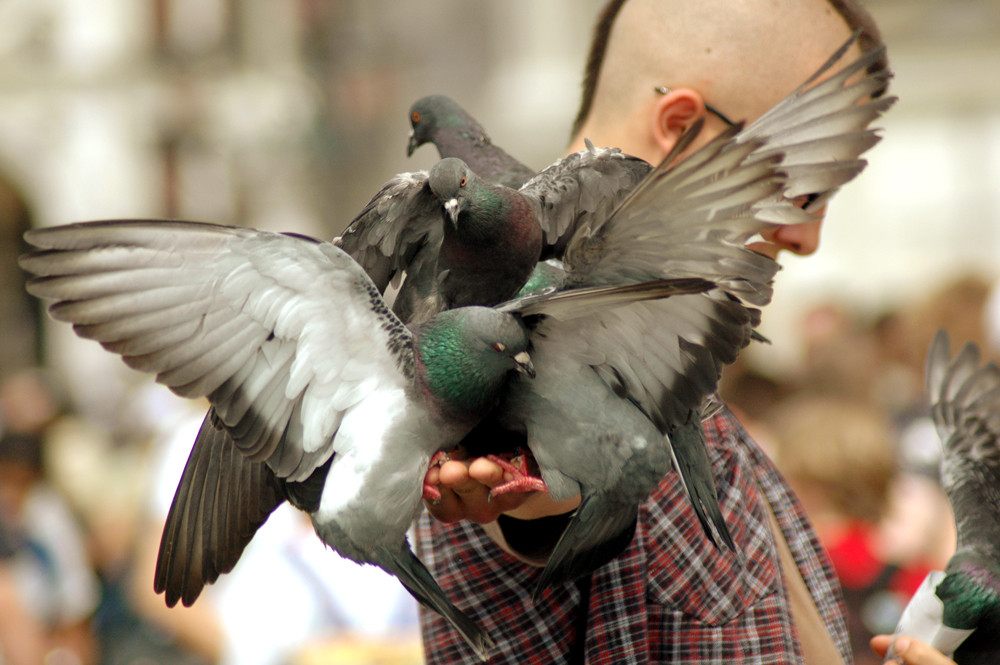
x,y
465,486
912,651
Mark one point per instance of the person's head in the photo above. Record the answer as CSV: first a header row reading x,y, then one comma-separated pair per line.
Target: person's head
x,y
739,57
837,454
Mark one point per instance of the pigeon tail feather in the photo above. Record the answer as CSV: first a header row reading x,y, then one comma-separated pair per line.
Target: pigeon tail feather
x,y
690,452
404,564
600,530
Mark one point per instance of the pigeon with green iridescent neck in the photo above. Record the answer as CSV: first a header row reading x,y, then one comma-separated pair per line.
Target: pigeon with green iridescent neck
x,y
618,399
965,407
319,395
439,120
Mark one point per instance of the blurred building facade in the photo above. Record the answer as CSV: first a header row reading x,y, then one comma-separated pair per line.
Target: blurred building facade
x,y
277,115
289,115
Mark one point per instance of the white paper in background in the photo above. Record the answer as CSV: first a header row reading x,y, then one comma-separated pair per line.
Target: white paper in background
x,y
923,619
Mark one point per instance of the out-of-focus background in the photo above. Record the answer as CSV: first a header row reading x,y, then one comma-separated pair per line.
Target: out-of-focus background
x,y
289,116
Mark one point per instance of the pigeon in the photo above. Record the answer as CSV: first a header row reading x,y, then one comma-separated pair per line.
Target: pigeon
x,y
440,120
319,395
490,244
823,140
960,609
628,386
461,240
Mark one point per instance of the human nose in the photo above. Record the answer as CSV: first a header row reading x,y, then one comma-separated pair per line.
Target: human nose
x,y
801,239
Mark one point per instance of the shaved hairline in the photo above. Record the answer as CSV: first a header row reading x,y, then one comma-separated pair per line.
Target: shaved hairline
x,y
741,97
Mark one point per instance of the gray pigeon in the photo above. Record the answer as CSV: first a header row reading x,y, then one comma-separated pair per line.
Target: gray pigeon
x,y
965,407
320,395
306,370
629,385
440,120
461,240
490,244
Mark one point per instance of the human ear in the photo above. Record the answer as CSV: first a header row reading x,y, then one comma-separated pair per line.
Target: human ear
x,y
673,114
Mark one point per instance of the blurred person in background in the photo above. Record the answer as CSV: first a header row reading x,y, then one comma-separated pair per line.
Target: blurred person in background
x,y
46,561
22,635
839,457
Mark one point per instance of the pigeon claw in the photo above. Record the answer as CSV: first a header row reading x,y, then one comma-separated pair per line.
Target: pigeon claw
x,y
430,492
439,458
522,480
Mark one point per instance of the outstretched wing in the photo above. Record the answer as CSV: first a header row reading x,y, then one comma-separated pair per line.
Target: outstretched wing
x,y
222,498
821,129
964,397
285,335
398,231
579,189
965,407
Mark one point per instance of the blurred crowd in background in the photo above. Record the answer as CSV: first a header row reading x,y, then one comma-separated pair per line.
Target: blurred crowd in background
x,y
289,116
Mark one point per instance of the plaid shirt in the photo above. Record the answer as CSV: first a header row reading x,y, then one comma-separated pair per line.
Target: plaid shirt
x,y
670,597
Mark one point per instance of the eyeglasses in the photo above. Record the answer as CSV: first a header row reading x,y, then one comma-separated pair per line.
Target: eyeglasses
x,y
663,90
813,202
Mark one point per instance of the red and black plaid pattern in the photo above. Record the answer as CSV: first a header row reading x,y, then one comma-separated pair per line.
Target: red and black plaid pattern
x,y
670,597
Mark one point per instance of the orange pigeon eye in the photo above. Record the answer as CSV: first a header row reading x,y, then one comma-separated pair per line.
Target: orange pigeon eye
x,y
499,346
462,182
415,117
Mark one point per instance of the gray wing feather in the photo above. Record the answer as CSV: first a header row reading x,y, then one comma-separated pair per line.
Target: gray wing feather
x,y
582,187
691,220
284,335
822,128
964,398
397,231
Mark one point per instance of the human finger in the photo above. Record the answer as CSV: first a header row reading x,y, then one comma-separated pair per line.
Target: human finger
x,y
909,651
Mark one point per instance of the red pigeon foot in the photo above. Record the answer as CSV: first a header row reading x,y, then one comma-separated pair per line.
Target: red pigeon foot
x,y
432,493
522,481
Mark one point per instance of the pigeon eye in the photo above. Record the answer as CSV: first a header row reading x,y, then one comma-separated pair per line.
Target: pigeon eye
x,y
461,183
415,117
500,346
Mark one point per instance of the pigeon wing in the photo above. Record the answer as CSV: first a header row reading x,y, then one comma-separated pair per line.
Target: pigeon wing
x,y
822,128
399,230
283,334
579,189
688,221
964,397
221,500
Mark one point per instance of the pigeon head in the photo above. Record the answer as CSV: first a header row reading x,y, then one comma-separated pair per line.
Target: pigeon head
x,y
459,189
434,113
464,356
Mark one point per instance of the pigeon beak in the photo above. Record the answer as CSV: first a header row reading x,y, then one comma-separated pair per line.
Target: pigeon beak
x,y
452,208
524,366
412,144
